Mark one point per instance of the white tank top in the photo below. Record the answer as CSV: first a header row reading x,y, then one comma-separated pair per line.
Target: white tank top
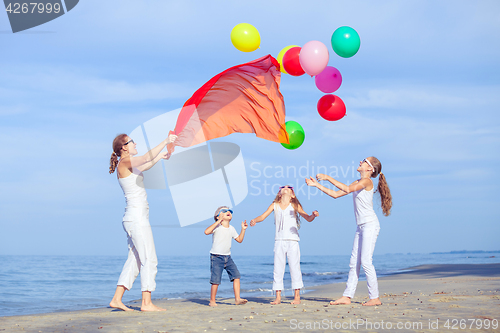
x,y
363,206
286,223
135,193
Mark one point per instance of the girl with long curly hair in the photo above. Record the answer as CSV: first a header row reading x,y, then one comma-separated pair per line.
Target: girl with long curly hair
x,y
368,226
287,211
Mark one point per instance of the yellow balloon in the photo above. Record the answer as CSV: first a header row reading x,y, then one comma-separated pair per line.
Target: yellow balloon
x,y
245,37
280,57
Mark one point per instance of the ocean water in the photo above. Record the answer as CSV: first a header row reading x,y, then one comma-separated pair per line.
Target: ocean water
x,y
40,284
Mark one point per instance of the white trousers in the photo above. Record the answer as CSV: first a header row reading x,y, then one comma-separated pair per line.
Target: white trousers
x,y
362,253
141,251
282,251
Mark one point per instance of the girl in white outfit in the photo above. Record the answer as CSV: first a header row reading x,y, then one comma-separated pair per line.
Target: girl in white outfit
x,y
368,225
287,209
142,254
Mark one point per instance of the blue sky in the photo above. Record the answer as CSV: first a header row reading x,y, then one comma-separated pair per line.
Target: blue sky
x,y
422,95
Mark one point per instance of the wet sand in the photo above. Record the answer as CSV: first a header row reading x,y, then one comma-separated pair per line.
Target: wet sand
x,y
428,298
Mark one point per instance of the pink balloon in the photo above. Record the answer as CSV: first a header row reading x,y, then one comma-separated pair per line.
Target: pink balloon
x,y
328,80
314,57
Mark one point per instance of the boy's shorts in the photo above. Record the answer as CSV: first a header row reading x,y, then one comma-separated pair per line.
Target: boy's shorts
x,y
218,263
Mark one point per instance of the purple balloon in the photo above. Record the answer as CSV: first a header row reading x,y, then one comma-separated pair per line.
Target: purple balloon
x,y
329,80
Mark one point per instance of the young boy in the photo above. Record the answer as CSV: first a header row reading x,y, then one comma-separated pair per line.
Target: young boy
x,y
220,254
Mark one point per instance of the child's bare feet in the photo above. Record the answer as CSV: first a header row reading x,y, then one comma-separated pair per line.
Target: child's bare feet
x,y
119,305
372,302
212,303
296,301
151,307
241,301
341,300
276,301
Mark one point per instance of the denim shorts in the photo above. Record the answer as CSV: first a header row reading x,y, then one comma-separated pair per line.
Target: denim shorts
x,y
218,263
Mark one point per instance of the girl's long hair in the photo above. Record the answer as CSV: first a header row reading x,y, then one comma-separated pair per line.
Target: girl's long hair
x,y
383,187
118,143
295,204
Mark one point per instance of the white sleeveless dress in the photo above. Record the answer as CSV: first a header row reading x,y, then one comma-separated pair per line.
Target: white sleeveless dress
x,y
363,206
286,223
286,245
142,254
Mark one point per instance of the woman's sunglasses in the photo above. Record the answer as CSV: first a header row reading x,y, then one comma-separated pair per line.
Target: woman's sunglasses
x,y
129,142
287,186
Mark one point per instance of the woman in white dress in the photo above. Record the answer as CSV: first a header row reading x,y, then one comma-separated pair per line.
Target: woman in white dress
x,y
142,254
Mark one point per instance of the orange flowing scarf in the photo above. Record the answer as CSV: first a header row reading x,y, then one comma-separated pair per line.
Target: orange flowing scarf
x,y
242,99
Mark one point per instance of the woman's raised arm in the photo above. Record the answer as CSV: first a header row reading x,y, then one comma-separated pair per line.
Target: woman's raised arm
x,y
138,161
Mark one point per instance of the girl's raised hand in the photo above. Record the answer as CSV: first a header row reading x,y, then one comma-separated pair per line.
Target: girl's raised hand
x,y
316,213
244,225
311,182
321,177
252,223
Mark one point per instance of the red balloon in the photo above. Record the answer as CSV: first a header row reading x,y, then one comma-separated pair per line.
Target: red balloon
x,y
291,62
331,107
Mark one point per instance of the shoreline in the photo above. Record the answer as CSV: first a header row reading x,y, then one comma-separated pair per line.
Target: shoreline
x,y
254,294
424,295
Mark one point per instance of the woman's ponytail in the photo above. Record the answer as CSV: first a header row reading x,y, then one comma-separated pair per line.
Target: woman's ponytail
x,y
113,162
383,187
385,195
118,143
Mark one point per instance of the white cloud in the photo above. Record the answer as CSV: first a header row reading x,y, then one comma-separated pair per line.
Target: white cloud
x,y
71,86
398,94
14,110
414,138
390,98
425,98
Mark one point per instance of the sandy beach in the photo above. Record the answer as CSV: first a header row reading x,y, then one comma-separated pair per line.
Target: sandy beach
x,y
428,298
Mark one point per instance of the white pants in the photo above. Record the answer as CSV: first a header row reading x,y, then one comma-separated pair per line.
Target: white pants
x,y
282,250
362,253
142,253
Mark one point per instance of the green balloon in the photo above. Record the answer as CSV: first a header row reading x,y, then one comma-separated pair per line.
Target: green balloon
x,y
345,42
295,134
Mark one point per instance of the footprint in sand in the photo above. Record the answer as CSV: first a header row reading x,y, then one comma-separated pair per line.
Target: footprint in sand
x,y
444,299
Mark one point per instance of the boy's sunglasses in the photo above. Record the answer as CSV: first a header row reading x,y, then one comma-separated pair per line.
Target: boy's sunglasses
x,y
287,186
225,211
129,142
